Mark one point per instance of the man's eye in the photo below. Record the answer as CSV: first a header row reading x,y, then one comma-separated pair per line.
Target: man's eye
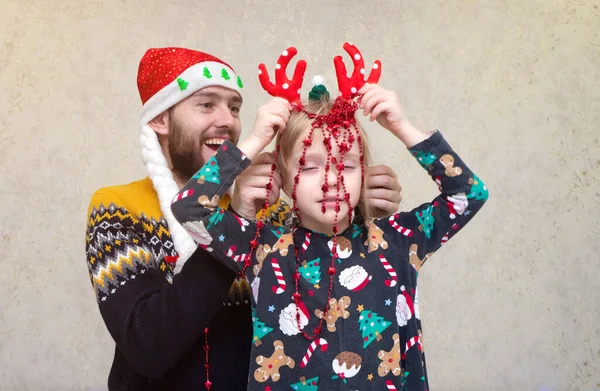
x,y
206,105
235,109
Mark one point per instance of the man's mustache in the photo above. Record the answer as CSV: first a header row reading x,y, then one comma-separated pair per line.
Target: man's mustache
x,y
228,134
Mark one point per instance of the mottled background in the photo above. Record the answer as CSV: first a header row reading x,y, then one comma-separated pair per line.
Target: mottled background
x,y
510,304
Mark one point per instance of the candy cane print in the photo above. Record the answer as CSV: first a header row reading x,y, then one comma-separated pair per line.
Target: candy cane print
x,y
390,385
312,347
280,280
399,228
386,265
184,194
236,257
410,343
306,242
438,181
444,239
446,236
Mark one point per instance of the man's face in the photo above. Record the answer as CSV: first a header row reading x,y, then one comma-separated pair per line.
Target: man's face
x,y
198,126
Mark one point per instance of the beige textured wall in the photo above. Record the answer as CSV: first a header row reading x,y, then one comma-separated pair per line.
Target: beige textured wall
x,y
510,304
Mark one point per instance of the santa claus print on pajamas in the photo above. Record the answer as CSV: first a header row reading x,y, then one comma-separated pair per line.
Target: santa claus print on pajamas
x,y
374,297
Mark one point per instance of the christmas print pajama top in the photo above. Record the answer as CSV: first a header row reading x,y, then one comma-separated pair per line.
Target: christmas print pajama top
x,y
372,335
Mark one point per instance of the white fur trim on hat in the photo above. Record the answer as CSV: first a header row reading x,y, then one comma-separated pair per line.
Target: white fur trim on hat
x,y
196,79
166,188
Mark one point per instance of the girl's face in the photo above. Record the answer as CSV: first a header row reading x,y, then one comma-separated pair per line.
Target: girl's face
x,y
310,197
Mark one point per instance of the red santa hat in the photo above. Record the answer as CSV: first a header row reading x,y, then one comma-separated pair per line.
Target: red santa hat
x,y
362,283
303,309
166,76
408,298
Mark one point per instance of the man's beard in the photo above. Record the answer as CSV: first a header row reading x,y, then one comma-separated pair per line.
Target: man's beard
x,y
186,151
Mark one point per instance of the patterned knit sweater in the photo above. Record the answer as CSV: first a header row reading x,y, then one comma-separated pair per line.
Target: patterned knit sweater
x,y
157,319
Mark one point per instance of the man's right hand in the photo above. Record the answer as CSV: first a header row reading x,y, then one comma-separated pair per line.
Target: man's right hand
x,y
250,187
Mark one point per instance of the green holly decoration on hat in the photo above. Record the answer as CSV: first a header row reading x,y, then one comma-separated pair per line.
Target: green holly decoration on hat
x,y
239,82
224,74
311,271
478,191
260,329
371,326
426,220
318,90
209,172
206,73
306,385
182,84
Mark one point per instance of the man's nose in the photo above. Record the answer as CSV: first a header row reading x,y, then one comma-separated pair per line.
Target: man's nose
x,y
224,117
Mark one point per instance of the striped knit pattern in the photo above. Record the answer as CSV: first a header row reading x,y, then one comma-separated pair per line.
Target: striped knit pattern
x,y
127,235
120,245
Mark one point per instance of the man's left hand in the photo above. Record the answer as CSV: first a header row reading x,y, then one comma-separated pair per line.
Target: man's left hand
x,y
383,190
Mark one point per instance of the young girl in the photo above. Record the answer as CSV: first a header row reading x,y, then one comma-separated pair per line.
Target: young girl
x,y
335,304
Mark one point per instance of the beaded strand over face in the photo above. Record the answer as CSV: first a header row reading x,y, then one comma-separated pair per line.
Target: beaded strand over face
x,y
338,124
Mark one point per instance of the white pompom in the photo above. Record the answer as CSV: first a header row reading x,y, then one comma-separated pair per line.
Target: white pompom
x,y
318,80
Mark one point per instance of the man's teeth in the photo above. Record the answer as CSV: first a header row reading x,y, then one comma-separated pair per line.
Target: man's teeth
x,y
214,141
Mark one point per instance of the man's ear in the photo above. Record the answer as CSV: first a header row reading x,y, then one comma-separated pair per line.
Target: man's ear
x,y
160,123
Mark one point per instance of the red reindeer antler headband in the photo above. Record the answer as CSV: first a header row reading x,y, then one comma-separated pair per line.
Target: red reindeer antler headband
x,y
349,86
284,87
289,89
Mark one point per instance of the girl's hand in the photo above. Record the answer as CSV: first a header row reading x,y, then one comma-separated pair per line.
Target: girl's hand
x,y
382,105
271,118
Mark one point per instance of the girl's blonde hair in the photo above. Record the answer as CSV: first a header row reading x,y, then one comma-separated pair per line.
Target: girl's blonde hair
x,y
298,123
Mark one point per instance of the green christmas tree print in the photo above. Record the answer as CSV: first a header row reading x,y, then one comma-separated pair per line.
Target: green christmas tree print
x,y
277,232
215,218
206,73
182,84
306,385
425,159
356,230
426,220
478,191
239,82
224,74
209,172
260,329
311,271
371,326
